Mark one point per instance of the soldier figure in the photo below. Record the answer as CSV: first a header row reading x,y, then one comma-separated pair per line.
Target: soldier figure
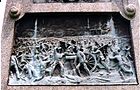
x,y
82,61
57,56
100,57
127,53
14,67
81,57
117,56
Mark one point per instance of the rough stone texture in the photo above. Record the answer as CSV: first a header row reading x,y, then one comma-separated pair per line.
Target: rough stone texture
x,y
29,7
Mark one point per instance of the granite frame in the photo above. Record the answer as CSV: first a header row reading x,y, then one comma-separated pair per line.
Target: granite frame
x,y
27,6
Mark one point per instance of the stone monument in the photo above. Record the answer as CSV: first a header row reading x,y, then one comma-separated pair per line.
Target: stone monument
x,y
71,42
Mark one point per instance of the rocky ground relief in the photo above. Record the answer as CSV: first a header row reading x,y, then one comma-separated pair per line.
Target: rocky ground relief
x,y
72,50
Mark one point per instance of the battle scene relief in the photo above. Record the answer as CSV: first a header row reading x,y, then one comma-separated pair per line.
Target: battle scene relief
x,y
72,49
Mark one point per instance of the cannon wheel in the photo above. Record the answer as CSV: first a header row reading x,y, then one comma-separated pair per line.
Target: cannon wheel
x,y
91,61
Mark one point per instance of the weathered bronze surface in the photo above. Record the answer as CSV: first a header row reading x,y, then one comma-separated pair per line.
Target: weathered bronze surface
x,y
69,49
56,44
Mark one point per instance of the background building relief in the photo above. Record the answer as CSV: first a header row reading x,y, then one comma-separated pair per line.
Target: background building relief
x,y
72,49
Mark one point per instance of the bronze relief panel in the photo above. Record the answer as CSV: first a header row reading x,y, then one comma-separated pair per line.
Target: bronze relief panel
x,y
72,49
